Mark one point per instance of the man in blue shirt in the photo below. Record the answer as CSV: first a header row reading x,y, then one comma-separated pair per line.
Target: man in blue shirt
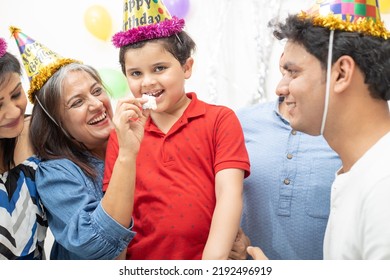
x,y
287,196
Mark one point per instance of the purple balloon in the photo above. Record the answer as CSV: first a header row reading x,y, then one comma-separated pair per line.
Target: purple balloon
x,y
177,8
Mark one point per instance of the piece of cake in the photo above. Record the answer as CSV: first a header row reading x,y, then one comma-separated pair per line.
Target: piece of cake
x,y
151,104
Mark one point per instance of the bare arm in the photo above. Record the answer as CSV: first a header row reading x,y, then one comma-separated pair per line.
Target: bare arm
x,y
227,214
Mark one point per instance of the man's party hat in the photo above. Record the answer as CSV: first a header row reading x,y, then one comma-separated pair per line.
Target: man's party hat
x,y
362,16
145,20
39,62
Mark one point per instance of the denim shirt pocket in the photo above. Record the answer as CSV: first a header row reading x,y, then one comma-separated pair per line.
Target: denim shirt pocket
x,y
317,203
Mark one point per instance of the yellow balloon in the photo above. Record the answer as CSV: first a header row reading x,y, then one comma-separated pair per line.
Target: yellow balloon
x,y
98,22
384,6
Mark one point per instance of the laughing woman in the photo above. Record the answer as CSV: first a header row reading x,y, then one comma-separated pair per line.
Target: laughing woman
x,y
70,126
23,223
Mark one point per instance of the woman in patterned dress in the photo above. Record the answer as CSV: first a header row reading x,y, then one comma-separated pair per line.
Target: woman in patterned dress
x,y
23,223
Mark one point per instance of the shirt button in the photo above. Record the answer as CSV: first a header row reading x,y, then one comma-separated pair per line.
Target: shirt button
x,y
294,132
289,156
286,181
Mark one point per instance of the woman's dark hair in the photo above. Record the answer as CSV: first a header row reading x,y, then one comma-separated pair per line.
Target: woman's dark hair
x,y
180,45
49,139
371,54
9,64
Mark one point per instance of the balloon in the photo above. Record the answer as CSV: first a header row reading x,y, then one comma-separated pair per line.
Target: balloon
x,y
177,8
115,82
384,6
98,22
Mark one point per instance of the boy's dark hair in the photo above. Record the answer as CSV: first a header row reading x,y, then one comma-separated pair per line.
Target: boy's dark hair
x,y
180,45
8,64
371,54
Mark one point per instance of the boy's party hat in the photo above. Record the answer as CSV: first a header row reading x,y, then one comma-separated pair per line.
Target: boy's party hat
x,y
39,62
362,16
145,20
3,47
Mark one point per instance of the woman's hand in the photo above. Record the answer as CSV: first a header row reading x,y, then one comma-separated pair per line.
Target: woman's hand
x,y
256,253
129,120
240,244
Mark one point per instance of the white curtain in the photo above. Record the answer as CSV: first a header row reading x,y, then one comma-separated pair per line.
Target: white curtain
x,y
236,62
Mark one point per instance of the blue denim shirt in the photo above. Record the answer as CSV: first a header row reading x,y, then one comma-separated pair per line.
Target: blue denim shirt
x,y
80,226
287,196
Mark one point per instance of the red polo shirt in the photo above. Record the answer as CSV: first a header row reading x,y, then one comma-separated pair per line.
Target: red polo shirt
x,y
175,190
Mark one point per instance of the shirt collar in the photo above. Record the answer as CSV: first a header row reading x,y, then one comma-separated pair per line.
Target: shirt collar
x,y
195,109
277,112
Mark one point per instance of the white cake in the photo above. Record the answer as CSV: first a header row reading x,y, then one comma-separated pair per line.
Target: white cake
x,y
151,104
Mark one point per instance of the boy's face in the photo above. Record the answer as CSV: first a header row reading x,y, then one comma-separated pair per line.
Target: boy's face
x,y
303,85
154,71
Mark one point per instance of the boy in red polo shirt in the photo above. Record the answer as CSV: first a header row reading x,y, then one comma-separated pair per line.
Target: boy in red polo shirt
x,y
192,160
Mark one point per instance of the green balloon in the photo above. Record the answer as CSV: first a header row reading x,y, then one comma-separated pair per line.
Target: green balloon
x,y
115,82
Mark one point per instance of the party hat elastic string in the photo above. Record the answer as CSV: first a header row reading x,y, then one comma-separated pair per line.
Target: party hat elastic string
x,y
46,112
327,90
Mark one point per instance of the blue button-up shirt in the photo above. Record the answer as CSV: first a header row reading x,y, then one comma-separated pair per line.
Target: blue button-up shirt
x,y
80,226
287,196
